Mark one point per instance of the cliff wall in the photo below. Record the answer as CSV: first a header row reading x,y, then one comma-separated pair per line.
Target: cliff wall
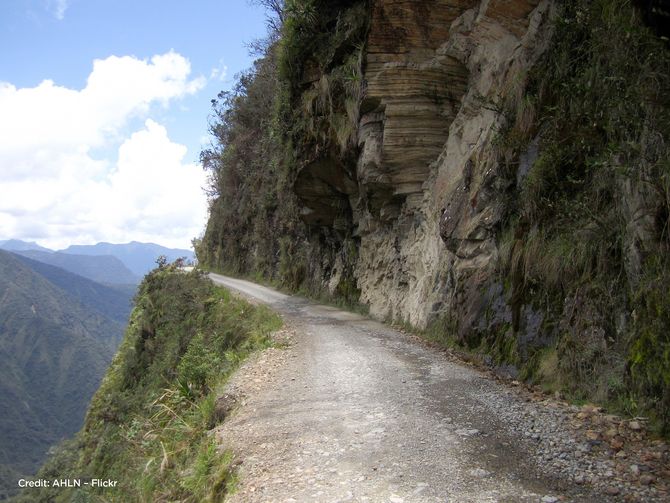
x,y
494,172
429,69
449,177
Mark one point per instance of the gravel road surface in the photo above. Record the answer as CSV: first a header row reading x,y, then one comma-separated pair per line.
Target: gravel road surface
x,y
349,409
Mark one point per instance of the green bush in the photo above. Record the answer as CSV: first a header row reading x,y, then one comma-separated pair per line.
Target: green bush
x,y
601,96
147,425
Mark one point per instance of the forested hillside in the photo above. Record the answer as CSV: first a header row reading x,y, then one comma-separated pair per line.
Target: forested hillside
x,y
149,425
113,302
495,174
55,346
105,269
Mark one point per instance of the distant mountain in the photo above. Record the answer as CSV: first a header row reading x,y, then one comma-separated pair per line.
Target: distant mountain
x,y
114,302
140,258
54,349
18,245
99,268
127,290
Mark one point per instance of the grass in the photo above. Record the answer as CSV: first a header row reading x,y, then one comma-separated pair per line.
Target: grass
x,y
597,104
149,425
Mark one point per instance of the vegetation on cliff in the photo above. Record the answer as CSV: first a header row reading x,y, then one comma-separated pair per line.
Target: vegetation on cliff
x,y
583,161
266,130
591,221
148,425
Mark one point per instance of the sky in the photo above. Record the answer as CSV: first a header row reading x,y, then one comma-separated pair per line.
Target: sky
x,y
104,108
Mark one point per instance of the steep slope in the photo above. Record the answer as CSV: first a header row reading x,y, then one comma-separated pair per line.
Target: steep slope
x,y
112,302
149,425
99,268
485,170
140,258
53,353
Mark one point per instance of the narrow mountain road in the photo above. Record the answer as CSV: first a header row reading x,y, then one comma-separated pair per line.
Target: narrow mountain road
x,y
353,410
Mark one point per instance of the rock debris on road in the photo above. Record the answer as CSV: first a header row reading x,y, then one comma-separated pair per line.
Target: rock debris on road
x,y
349,409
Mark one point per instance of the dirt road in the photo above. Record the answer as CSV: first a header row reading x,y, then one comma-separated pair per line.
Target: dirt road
x,y
353,410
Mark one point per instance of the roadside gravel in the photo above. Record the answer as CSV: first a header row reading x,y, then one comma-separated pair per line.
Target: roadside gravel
x,y
348,409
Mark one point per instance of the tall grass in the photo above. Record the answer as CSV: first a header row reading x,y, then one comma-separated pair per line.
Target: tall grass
x,y
599,103
148,426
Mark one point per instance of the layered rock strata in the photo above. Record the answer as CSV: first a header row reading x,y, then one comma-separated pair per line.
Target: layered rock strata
x,y
425,194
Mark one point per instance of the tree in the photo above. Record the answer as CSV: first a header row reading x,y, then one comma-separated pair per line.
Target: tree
x,y
274,14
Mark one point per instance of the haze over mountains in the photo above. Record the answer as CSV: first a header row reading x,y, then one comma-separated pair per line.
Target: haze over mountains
x,y
18,245
58,333
140,258
103,262
62,315
103,268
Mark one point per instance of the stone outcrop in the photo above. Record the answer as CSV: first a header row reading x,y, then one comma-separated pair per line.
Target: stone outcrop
x,y
412,95
492,170
426,194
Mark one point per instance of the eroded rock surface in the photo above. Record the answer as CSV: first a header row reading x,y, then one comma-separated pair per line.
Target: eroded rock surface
x,y
352,410
427,191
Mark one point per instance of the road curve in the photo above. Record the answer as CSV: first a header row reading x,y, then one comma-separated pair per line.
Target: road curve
x,y
356,411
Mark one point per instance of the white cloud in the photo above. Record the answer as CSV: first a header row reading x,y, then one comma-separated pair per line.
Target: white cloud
x,y
118,88
56,192
219,73
58,7
150,194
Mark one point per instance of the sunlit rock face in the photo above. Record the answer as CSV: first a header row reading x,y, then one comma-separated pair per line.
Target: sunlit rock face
x,y
428,169
413,94
424,192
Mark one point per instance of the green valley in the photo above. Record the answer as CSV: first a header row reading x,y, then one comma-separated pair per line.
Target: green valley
x,y
147,425
54,349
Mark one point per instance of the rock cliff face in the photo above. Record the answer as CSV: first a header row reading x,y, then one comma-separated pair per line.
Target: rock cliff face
x,y
495,171
424,194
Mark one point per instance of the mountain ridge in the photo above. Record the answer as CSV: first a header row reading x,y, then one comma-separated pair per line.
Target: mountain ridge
x,y
19,245
103,262
98,268
139,258
54,350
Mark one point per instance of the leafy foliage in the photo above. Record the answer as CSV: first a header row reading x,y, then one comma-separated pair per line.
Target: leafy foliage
x,y
593,210
328,47
147,426
250,205
273,122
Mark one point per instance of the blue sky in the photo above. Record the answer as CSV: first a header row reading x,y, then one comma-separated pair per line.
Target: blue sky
x,y
157,66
